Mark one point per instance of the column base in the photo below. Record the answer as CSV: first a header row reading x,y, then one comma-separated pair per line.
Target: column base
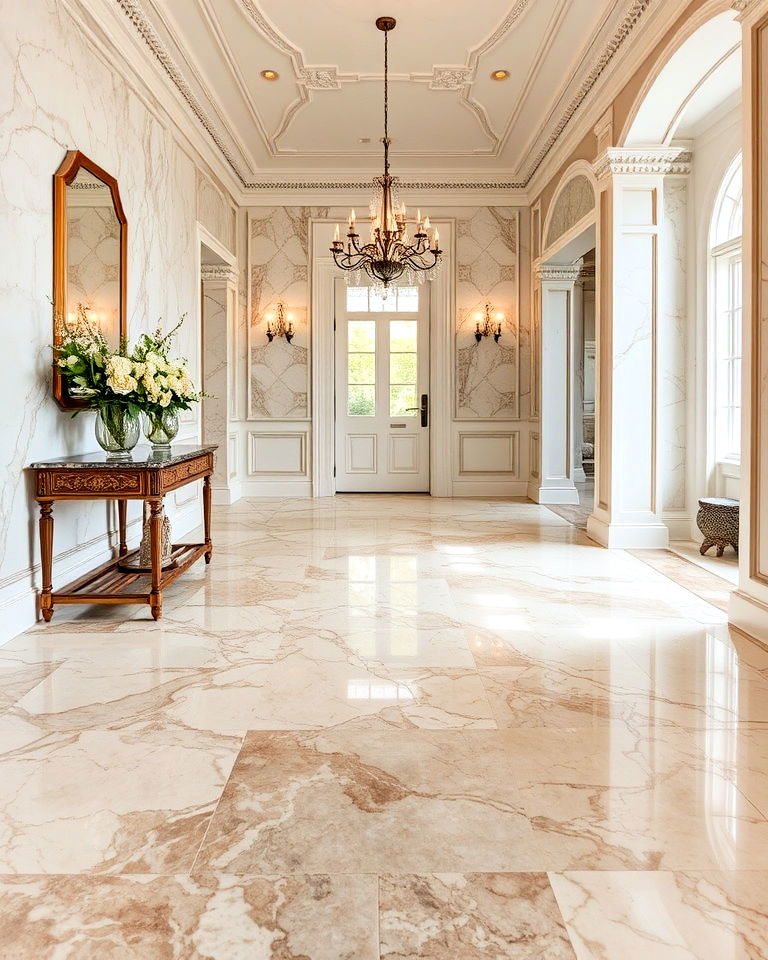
x,y
749,615
628,536
225,495
578,475
564,494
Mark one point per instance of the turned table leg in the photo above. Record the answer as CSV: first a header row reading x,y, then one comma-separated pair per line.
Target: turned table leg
x,y
46,558
207,493
122,508
156,549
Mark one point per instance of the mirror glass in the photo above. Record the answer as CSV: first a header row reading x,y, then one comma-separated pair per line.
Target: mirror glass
x,y
93,254
90,245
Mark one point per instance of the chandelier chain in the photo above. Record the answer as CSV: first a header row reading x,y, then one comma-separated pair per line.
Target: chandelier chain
x,y
386,102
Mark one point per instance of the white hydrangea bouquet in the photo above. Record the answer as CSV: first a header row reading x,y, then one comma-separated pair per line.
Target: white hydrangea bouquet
x,y
122,385
163,383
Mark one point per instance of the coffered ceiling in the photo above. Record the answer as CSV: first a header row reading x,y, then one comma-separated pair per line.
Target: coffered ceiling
x,y
323,116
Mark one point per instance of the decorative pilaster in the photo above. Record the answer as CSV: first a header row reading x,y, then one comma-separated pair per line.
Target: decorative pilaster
x,y
748,608
219,328
553,476
638,344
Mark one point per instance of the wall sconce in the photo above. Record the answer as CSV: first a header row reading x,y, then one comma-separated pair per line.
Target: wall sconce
x,y
276,323
489,326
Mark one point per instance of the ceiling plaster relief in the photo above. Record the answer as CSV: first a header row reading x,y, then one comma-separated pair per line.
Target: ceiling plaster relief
x,y
318,79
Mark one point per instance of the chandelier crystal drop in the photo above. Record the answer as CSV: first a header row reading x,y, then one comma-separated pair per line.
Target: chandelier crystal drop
x,y
390,255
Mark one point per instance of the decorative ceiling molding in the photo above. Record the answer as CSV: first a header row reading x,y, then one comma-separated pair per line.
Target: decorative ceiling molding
x,y
630,21
450,78
642,161
311,78
320,78
558,272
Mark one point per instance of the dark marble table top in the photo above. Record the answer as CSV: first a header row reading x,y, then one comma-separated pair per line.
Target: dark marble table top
x,y
143,457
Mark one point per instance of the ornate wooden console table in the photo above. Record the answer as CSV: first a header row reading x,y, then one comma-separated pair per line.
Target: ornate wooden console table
x,y
147,476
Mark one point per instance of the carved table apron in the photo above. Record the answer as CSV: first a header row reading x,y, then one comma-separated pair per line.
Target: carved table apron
x,y
147,476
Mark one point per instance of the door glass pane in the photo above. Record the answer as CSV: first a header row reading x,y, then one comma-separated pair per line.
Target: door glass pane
x,y
402,397
357,299
408,299
361,368
402,368
361,400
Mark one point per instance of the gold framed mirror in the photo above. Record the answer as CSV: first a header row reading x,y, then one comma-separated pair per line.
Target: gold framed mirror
x,y
90,253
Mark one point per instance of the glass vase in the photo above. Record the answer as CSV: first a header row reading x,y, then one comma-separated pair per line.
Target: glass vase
x,y
160,428
117,431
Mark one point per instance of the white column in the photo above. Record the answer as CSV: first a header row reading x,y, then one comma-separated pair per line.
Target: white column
x,y
748,608
219,321
554,483
577,383
629,460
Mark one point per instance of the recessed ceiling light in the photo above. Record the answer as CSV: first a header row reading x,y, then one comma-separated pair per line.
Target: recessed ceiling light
x,y
499,74
270,75
365,140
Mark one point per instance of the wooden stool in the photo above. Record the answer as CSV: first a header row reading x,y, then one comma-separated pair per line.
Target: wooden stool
x,y
718,520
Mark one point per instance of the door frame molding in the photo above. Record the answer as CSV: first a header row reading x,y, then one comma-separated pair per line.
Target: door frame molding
x,y
441,373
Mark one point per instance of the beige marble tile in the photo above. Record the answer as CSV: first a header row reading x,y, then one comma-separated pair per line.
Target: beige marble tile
x,y
665,916
614,797
179,918
106,802
370,801
21,673
471,916
705,584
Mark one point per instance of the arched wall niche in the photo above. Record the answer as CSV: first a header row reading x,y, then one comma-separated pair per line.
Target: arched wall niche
x,y
573,206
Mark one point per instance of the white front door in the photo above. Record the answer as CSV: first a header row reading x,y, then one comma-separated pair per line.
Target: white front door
x,y
382,390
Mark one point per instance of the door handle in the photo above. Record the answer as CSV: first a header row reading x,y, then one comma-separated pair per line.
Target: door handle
x,y
424,408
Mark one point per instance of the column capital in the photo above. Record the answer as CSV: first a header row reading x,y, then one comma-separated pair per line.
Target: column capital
x,y
223,272
562,272
640,161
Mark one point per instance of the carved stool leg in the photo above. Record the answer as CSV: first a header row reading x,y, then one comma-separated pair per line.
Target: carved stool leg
x,y
705,546
207,494
156,541
46,559
720,549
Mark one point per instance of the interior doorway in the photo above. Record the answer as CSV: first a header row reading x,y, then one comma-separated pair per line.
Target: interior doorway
x,y
381,388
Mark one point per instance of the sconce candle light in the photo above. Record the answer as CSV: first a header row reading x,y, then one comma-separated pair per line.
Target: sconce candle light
x,y
488,325
277,325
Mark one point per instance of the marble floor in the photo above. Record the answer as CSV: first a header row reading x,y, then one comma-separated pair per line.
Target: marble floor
x,y
390,727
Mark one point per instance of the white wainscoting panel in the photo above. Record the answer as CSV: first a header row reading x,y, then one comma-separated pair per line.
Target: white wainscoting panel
x,y
361,453
491,452
404,454
278,454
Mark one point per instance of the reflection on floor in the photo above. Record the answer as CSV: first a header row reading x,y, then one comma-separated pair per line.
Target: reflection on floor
x,y
578,513
389,727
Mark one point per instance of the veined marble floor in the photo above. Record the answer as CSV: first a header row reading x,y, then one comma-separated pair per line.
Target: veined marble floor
x,y
389,727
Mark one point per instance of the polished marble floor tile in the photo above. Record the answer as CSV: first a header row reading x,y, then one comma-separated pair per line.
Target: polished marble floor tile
x,y
665,916
106,802
218,917
390,716
478,916
370,802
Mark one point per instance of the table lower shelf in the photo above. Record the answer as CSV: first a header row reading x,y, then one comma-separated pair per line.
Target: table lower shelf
x,y
109,584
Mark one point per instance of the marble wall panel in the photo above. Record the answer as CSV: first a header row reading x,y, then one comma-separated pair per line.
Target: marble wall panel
x,y
487,373
278,270
216,212
574,202
60,94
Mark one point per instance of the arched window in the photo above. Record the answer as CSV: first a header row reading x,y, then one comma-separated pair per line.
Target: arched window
x,y
725,250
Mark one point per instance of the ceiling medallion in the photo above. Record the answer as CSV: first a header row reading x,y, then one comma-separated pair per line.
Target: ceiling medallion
x,y
390,255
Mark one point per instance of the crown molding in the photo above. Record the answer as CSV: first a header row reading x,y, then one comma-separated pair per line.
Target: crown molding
x,y
640,161
562,273
221,272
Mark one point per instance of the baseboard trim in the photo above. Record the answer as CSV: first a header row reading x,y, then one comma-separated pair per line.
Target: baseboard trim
x,y
749,615
275,488
553,495
628,536
489,488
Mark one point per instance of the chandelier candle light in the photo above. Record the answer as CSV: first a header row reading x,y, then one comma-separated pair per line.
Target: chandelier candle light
x,y
390,253
489,327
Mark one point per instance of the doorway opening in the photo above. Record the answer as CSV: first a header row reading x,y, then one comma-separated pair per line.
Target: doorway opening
x,y
381,389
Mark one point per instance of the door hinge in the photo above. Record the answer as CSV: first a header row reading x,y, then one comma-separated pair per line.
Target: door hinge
x,y
334,469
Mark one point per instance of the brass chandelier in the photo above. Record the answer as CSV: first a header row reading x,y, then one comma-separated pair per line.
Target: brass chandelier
x,y
390,254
